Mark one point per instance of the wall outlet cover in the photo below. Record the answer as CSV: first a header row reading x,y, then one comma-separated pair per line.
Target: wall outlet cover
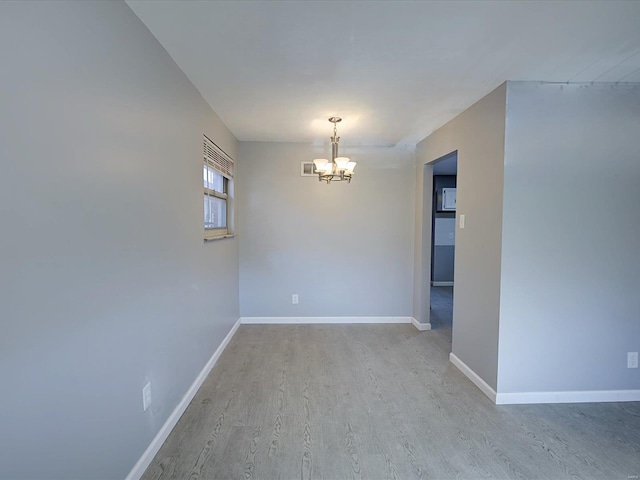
x,y
632,359
146,396
294,299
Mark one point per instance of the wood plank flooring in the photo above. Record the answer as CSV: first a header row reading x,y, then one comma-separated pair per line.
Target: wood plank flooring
x,y
441,307
379,402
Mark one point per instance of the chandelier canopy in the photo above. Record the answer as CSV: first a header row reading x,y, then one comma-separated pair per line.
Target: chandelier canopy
x,y
339,168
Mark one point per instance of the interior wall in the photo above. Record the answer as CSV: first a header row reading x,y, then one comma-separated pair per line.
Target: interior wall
x,y
570,309
345,249
422,242
478,136
106,281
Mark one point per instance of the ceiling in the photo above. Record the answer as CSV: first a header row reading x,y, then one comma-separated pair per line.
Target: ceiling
x,y
394,70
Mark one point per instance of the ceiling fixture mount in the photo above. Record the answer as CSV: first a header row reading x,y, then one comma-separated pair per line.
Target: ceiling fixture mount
x,y
339,168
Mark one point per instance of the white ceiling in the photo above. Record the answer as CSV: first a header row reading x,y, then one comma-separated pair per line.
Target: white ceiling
x,y
394,70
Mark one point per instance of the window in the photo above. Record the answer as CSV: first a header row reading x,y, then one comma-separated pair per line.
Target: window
x,y
217,176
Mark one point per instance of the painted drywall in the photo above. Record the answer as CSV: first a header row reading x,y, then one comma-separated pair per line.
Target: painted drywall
x,y
345,249
106,280
570,308
478,136
422,242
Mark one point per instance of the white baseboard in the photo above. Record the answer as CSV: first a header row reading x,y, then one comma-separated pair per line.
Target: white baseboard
x,y
544,397
442,284
420,326
151,451
568,397
318,320
474,377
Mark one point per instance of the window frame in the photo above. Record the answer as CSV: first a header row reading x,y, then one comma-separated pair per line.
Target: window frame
x,y
215,159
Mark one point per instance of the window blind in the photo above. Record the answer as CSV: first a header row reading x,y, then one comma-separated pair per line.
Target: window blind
x,y
217,159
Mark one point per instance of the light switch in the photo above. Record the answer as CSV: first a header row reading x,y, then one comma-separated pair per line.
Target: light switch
x,y
461,221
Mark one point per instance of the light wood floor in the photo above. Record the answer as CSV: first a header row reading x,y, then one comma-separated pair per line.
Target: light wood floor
x,y
379,401
441,307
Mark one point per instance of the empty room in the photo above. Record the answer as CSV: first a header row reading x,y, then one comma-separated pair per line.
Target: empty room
x,y
319,240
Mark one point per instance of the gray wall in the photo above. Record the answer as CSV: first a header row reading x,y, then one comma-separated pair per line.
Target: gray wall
x,y
422,240
345,249
570,307
106,281
478,136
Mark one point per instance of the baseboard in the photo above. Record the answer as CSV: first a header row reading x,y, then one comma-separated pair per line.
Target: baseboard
x,y
568,397
318,320
151,451
544,397
420,326
442,284
474,377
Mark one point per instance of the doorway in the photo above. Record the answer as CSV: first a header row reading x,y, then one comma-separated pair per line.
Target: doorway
x,y
442,217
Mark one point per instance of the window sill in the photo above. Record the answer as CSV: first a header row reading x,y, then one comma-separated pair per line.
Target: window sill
x,y
219,237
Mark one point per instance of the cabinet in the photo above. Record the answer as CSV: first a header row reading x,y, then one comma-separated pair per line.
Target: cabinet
x,y
448,199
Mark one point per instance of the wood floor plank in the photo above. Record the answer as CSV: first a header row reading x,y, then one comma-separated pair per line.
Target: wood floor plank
x,y
379,402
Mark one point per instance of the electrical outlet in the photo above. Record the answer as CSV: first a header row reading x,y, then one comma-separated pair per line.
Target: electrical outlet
x,y
632,359
146,396
294,299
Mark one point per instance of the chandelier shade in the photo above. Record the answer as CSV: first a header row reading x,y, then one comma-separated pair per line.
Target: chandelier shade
x,y
337,169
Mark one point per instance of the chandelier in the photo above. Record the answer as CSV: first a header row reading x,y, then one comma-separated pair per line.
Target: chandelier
x,y
339,168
